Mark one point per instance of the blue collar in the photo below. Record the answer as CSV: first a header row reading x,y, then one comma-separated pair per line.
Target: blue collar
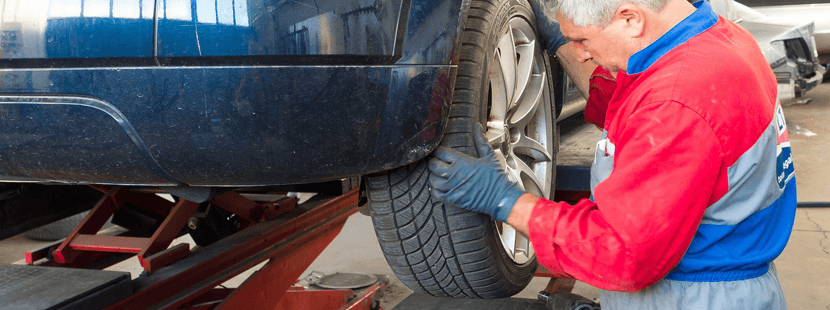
x,y
701,20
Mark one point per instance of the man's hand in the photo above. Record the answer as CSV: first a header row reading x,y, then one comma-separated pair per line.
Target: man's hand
x,y
476,184
547,26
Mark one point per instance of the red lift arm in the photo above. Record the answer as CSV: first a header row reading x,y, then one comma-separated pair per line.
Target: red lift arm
x,y
288,236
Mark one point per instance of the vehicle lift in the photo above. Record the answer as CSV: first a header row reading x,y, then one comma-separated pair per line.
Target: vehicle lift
x,y
283,234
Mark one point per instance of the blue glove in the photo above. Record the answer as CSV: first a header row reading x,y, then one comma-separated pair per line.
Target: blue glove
x,y
548,27
476,184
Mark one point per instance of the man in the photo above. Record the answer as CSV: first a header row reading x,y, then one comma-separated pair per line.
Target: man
x,y
693,184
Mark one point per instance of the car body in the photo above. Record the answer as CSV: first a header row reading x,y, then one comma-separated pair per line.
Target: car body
x,y
238,92
189,96
221,93
807,10
788,45
194,95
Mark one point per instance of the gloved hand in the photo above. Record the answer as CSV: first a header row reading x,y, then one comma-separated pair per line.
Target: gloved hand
x,y
547,26
476,184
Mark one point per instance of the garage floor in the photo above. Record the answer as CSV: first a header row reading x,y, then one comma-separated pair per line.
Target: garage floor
x,y
804,267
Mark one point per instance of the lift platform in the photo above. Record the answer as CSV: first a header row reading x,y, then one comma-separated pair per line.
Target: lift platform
x,y
31,287
284,235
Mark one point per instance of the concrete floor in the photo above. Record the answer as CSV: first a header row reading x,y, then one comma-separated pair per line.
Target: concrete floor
x,y
804,267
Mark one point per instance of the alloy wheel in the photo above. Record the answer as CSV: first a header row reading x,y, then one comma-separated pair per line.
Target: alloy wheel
x,y
519,126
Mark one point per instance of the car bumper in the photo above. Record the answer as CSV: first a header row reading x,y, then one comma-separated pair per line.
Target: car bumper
x,y
789,89
218,126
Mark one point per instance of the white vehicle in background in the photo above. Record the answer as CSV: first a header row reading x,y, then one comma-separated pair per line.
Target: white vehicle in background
x,y
789,46
815,10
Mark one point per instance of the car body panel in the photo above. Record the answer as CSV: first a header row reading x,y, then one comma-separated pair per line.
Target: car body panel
x,y
255,113
816,12
767,33
571,98
223,126
86,138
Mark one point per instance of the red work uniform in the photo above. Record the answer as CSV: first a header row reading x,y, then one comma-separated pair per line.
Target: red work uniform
x,y
693,183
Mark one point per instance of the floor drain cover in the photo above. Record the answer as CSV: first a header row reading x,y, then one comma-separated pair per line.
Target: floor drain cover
x,y
342,281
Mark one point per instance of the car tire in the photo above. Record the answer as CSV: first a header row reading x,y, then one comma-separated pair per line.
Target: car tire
x,y
442,250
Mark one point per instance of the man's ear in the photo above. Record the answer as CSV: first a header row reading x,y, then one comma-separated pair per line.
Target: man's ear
x,y
631,18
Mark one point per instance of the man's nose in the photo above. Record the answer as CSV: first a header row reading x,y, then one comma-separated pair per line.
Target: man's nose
x,y
583,55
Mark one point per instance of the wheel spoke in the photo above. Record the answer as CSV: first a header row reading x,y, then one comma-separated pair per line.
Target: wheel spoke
x,y
521,245
507,59
524,112
513,173
527,146
494,133
524,69
509,237
498,110
529,181
502,160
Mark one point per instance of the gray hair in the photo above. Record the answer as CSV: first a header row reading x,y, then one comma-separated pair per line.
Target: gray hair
x,y
596,12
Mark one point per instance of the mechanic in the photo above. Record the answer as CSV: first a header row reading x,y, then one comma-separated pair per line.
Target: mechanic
x,y
693,184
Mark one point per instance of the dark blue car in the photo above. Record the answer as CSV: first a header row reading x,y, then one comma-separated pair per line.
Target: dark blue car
x,y
206,94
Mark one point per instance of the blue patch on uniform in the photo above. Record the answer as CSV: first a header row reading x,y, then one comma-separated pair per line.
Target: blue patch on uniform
x,y
784,167
780,120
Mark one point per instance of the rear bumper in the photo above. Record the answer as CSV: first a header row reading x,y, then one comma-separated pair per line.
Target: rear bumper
x,y
816,79
218,126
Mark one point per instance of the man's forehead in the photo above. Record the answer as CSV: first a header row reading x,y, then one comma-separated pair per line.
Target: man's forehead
x,y
570,30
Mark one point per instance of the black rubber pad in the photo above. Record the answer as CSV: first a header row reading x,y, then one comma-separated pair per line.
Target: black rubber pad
x,y
426,302
34,287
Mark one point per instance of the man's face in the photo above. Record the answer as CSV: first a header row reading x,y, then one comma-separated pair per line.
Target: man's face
x,y
603,46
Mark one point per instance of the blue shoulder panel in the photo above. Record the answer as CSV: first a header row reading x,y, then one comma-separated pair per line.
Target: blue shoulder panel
x,y
700,21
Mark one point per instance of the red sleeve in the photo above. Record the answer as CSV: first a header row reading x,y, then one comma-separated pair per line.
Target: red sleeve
x,y
601,88
667,163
